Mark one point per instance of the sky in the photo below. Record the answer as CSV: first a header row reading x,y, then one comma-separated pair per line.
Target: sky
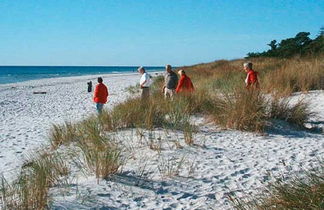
x,y
147,32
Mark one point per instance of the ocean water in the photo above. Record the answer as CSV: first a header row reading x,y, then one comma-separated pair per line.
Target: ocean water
x,y
13,74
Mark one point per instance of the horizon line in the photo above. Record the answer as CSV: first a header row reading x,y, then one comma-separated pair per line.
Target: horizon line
x,y
80,66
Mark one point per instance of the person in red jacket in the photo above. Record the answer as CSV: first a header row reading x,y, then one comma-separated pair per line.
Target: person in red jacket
x,y
100,95
184,85
251,81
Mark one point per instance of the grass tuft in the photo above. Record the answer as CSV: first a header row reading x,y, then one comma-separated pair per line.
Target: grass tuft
x,y
243,110
301,192
101,154
31,189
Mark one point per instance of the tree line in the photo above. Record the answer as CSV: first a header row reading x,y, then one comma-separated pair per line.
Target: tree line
x,y
300,45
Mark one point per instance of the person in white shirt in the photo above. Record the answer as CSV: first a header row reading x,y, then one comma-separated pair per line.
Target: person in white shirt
x,y
145,82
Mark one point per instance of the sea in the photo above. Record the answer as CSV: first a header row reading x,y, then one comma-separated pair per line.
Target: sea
x,y
13,74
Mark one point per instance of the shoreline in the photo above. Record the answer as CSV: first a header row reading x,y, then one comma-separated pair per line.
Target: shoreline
x,y
80,77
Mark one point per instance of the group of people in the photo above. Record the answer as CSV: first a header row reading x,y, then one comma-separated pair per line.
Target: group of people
x,y
172,84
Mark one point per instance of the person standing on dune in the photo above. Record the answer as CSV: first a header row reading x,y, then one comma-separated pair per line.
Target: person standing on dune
x,y
145,83
251,81
185,85
100,95
170,82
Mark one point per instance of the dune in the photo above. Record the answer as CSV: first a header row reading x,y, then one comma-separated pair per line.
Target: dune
x,y
173,175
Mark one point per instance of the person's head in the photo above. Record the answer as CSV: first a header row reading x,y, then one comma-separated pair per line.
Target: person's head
x,y
100,80
181,72
168,68
141,70
247,66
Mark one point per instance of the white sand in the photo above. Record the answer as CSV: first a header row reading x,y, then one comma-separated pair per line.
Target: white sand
x,y
26,118
224,161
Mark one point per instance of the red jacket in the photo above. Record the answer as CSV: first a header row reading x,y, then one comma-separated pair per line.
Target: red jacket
x,y
252,79
185,84
100,94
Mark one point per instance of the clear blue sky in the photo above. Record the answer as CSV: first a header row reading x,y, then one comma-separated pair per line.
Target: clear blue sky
x,y
147,32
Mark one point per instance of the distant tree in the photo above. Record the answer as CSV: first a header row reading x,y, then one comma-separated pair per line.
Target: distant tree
x,y
253,55
321,33
287,47
317,45
273,45
300,45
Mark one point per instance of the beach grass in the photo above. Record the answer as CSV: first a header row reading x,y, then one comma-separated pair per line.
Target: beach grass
x,y
31,189
303,191
101,154
296,114
62,134
243,110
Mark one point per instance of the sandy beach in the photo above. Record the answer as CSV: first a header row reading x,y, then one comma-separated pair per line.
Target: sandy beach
x,y
26,117
224,162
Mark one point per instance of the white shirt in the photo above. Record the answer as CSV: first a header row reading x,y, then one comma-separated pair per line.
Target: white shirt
x,y
247,79
145,77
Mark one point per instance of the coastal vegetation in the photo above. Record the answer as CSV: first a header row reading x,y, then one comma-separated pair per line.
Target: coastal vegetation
x,y
220,98
300,45
303,191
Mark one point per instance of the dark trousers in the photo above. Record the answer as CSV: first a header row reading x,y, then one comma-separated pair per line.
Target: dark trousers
x,y
145,92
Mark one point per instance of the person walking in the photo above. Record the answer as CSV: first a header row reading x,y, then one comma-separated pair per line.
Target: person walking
x,y
184,85
170,82
145,82
100,95
251,81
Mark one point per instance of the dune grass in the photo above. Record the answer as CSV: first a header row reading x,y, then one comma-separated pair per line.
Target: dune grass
x,y
62,134
295,75
277,76
297,114
101,154
301,192
31,189
253,111
242,110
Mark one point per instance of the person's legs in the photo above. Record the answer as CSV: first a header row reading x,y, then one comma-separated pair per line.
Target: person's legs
x,y
169,93
172,92
145,93
165,92
99,108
